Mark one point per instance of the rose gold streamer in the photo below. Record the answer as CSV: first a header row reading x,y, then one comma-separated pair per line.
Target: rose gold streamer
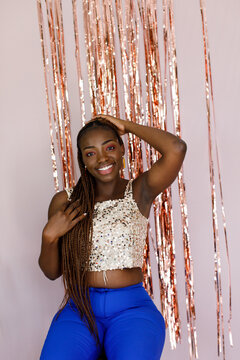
x,y
90,64
58,89
53,100
189,288
108,29
217,258
129,42
147,271
101,62
54,45
137,113
101,56
132,37
48,98
69,174
125,74
165,253
78,63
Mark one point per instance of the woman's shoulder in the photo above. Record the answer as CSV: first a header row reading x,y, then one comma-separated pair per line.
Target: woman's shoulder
x,y
57,201
60,196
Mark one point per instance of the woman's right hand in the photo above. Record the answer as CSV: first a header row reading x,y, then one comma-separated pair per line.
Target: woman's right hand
x,y
63,220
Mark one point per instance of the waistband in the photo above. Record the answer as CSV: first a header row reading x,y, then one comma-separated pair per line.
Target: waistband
x,y
103,289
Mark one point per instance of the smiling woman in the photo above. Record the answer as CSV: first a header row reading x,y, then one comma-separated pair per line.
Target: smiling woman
x,y
95,238
101,150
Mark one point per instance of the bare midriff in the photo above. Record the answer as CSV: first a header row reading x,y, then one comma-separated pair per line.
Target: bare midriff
x,y
115,278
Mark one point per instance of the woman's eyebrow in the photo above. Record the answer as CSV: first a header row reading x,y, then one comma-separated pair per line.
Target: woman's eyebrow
x,y
105,142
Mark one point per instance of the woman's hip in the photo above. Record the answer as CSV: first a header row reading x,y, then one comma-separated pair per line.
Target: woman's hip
x,y
107,302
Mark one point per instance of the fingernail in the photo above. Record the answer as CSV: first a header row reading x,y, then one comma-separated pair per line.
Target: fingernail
x,y
84,214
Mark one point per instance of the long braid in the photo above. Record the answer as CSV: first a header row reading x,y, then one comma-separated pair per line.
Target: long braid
x,y
75,246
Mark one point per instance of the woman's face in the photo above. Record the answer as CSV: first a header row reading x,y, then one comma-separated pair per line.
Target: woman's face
x,y
102,153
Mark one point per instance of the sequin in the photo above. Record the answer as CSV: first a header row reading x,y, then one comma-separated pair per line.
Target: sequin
x,y
119,234
69,192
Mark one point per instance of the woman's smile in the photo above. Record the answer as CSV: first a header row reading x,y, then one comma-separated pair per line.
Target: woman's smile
x,y
107,169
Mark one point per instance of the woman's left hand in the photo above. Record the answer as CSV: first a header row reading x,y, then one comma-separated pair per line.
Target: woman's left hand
x,y
119,123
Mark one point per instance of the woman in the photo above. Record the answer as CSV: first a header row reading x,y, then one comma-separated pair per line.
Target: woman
x,y
95,236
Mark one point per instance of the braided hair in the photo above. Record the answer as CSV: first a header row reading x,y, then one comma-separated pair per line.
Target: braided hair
x,y
75,245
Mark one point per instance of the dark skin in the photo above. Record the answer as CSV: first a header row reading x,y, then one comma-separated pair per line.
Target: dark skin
x,y
100,148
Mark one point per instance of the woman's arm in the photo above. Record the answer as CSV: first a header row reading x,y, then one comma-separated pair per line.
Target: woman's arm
x,y
164,171
49,259
61,218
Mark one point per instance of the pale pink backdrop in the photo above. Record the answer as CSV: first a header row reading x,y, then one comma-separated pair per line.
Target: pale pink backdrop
x,y
28,300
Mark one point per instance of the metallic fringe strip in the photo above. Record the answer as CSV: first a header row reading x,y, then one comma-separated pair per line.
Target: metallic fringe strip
x,y
78,63
99,40
48,92
129,47
147,270
217,258
56,86
99,25
129,41
165,252
189,287
167,265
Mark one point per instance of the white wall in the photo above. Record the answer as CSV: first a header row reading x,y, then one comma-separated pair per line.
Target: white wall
x,y
28,300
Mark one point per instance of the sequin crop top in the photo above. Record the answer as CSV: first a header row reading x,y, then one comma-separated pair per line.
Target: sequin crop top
x,y
119,233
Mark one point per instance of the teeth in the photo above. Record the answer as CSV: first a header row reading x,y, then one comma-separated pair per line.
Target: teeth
x,y
106,167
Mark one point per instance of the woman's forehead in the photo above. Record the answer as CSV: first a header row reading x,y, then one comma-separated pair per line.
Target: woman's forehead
x,y
97,136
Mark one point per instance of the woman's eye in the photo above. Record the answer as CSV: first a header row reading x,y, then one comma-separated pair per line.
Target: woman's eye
x,y
89,154
111,147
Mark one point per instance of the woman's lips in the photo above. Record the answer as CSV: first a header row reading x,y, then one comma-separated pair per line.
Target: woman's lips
x,y
105,169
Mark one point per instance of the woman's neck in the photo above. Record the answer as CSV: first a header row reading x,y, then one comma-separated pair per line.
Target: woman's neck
x,y
109,190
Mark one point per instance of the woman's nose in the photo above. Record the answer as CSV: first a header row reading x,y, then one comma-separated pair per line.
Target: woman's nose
x,y
102,156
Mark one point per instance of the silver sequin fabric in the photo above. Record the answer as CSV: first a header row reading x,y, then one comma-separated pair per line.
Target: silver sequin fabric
x,y
119,234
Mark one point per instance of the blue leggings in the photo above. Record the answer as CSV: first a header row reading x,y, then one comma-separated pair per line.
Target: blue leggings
x,y
129,325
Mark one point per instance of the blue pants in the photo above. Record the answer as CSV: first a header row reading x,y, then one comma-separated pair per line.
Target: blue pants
x,y
129,324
